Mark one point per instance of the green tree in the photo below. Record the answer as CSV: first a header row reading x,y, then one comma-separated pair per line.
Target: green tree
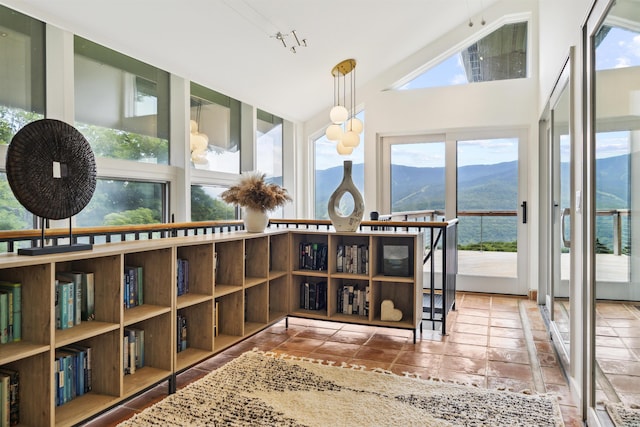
x,y
207,208
135,216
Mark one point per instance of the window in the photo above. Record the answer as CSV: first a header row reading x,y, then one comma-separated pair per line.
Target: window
x,y
269,151
215,131
121,104
206,204
123,202
22,96
500,55
328,172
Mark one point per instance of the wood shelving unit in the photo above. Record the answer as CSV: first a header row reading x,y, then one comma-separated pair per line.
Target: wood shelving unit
x,y
255,283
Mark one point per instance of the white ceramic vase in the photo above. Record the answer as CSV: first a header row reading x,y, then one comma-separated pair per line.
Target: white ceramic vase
x,y
255,221
352,221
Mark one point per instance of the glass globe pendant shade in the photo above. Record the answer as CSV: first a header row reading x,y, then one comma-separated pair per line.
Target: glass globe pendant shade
x,y
350,139
198,141
193,126
342,150
199,157
338,114
355,125
334,132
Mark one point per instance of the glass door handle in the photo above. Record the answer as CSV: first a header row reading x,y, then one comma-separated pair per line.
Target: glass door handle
x,y
524,212
565,242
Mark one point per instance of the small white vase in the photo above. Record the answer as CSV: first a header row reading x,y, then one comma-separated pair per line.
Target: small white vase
x,y
352,221
255,221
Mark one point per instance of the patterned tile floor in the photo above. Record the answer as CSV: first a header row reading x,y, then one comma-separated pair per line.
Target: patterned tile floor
x,y
494,342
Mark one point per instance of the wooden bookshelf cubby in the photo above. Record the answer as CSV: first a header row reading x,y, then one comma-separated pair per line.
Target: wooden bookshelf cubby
x,y
238,284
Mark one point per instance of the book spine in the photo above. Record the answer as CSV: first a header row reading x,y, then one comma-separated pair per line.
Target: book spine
x,y
71,303
4,317
140,293
88,310
77,306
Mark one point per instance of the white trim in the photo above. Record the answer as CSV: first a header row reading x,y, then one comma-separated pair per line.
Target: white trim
x,y
463,44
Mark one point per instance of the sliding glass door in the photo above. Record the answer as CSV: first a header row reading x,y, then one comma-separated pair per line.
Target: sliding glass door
x,y
476,177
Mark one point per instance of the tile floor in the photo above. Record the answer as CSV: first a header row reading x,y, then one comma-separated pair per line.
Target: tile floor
x,y
494,341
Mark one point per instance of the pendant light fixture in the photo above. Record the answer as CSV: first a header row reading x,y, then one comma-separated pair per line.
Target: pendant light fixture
x,y
345,128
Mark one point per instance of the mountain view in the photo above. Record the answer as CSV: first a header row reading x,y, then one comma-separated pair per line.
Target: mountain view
x,y
483,187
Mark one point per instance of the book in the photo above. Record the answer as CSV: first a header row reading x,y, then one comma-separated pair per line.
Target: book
x,y
14,395
9,314
74,277
88,308
65,303
15,288
5,400
4,317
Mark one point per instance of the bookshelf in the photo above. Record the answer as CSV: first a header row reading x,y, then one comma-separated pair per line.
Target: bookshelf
x,y
238,284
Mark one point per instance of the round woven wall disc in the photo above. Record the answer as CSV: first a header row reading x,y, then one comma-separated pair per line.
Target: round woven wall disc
x,y
51,169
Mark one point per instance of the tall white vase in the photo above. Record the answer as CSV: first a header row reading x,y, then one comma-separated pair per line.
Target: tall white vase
x,y
352,221
255,221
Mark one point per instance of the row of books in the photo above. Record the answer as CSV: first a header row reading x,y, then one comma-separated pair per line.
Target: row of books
x,y
182,332
352,259
133,350
74,298
10,312
313,296
353,299
72,368
9,397
183,276
133,286
313,256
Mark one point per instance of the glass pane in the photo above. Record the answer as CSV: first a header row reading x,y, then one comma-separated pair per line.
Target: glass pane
x,y
617,181
215,131
269,152
488,206
500,55
206,204
13,216
118,202
328,172
22,77
561,189
121,104
418,177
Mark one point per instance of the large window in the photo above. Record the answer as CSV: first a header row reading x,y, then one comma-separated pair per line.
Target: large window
x,y
121,104
328,173
123,202
269,151
500,55
22,96
215,131
206,204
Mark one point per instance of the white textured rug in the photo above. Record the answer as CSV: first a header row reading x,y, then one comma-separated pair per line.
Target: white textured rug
x,y
276,390
624,416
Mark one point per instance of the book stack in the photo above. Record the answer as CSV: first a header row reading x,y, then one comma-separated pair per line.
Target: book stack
x,y
133,286
183,276
74,298
353,259
182,332
72,367
313,296
353,299
78,289
313,256
9,397
10,312
133,350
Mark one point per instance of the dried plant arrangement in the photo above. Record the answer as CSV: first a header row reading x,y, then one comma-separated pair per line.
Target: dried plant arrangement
x,y
254,193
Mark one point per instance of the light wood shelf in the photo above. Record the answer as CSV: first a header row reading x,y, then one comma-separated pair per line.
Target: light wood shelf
x,y
255,283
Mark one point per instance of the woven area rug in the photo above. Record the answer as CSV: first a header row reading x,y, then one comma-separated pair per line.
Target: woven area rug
x,y
277,390
623,416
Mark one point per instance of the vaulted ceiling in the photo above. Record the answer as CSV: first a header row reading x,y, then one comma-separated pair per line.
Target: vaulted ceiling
x,y
231,45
